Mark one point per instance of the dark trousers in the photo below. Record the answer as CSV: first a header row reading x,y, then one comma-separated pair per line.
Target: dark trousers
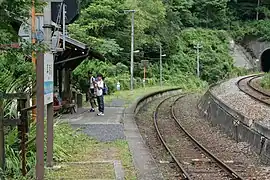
x,y
100,100
92,98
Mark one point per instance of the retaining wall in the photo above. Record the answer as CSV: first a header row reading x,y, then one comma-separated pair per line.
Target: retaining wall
x,y
236,125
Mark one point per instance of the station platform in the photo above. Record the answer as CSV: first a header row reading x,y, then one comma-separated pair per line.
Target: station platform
x,y
103,128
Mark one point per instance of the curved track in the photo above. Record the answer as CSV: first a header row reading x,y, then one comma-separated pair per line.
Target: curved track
x,y
245,84
192,148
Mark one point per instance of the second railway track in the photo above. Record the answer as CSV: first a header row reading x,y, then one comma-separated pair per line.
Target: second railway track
x,y
246,85
192,158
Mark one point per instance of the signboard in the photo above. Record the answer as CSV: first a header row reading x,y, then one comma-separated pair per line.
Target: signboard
x,y
72,11
144,63
48,78
25,29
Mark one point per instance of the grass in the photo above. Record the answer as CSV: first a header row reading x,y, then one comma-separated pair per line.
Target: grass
x,y
84,171
265,81
89,150
130,96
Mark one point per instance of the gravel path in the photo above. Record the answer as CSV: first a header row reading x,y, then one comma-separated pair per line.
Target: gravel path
x,y
229,93
236,155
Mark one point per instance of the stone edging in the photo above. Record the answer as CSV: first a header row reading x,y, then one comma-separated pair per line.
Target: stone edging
x,y
134,107
142,159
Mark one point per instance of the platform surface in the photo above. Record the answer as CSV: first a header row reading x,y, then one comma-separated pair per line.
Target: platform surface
x,y
103,128
112,116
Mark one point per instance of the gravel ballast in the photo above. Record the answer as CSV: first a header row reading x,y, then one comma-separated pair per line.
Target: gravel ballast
x,y
144,120
236,155
229,93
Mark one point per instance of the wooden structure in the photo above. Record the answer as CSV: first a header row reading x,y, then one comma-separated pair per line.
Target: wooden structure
x,y
66,61
21,122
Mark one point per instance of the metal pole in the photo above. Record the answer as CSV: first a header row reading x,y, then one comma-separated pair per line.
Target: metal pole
x,y
198,62
40,118
64,26
198,46
48,41
160,65
132,51
257,13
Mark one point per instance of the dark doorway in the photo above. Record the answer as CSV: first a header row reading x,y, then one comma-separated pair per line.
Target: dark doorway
x,y
265,60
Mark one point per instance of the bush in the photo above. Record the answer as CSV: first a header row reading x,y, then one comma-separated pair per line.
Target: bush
x,y
215,61
265,82
66,142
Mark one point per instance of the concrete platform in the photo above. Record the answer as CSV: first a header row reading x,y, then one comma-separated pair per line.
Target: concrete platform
x,y
104,128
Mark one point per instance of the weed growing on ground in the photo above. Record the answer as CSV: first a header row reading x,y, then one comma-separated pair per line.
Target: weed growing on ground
x,y
265,81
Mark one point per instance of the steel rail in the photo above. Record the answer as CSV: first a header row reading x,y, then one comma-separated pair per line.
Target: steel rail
x,y
221,164
185,174
254,88
248,85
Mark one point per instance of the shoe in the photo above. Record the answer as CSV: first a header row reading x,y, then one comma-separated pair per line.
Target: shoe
x,y
100,114
92,110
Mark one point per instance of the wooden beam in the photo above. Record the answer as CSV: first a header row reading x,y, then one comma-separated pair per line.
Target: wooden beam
x,y
12,122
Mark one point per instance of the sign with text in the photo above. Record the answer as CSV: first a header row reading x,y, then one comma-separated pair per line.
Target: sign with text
x,y
48,78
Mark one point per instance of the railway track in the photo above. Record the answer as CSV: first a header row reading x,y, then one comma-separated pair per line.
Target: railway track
x,y
192,158
246,85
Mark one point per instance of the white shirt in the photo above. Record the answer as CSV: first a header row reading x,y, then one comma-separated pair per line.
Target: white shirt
x,y
100,84
92,79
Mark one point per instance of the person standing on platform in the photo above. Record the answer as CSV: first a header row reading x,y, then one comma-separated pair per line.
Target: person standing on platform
x,y
100,97
92,83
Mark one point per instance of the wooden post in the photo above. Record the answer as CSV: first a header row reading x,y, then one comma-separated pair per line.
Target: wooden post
x,y
144,73
23,129
34,112
40,118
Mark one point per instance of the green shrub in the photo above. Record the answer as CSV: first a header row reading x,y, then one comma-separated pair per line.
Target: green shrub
x,y
66,142
265,82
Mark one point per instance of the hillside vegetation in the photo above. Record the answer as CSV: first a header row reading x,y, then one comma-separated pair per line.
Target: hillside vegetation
x,y
178,25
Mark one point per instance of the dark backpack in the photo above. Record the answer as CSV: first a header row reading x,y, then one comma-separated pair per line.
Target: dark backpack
x,y
105,89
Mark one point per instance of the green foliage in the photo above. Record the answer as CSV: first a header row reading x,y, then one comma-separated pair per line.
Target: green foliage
x,y
265,82
66,142
251,28
214,57
14,70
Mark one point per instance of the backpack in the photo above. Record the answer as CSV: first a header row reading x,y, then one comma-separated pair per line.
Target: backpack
x,y
105,89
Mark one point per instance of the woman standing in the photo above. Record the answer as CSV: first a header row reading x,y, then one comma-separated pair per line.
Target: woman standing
x,y
100,97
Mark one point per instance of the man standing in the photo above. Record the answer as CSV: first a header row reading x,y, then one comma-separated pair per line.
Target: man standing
x,y
92,92
100,99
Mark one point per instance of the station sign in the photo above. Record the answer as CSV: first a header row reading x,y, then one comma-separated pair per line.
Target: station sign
x,y
48,78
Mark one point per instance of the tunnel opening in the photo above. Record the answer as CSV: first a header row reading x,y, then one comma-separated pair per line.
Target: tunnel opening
x,y
265,60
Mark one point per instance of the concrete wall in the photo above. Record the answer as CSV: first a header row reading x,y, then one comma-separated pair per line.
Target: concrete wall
x,y
236,125
257,47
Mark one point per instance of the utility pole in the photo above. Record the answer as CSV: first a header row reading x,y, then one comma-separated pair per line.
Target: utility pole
x,y
132,47
198,47
160,64
257,13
